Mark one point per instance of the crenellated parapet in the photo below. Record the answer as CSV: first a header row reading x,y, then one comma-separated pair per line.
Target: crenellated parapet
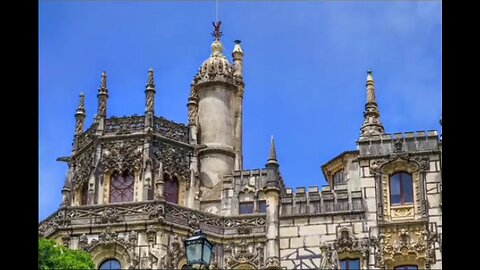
x,y
314,201
386,144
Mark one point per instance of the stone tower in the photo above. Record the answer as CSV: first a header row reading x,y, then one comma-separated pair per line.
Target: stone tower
x,y
138,186
215,113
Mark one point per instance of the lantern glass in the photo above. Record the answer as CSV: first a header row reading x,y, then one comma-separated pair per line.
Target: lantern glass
x,y
198,250
194,252
207,252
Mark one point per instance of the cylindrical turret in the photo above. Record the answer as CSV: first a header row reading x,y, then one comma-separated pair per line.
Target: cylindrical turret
x,y
214,92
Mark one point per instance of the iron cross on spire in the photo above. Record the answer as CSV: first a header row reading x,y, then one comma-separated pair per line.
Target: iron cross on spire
x,y
217,33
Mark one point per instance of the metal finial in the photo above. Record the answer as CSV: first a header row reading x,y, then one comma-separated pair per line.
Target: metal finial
x,y
217,33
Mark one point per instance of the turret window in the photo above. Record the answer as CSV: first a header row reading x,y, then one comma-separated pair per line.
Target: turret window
x,y
121,188
338,178
262,206
171,188
246,208
401,189
350,264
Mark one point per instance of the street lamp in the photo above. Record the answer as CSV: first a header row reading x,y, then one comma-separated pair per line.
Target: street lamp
x,y
198,250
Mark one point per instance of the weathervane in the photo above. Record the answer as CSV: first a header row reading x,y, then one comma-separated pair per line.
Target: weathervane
x,y
217,34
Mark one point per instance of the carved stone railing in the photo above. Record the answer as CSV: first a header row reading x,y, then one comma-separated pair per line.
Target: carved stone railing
x,y
124,125
152,211
172,130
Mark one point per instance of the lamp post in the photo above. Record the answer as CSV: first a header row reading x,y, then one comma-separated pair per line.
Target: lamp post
x,y
198,250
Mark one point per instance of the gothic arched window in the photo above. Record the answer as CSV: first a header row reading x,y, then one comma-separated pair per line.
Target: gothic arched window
x,y
121,188
84,194
110,264
401,188
171,188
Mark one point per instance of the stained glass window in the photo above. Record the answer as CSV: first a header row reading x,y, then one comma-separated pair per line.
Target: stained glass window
x,y
121,188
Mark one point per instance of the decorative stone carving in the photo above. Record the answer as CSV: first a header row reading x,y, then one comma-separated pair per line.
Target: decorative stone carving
x,y
124,125
174,253
83,165
171,130
174,159
244,253
151,234
83,241
193,222
272,262
132,238
123,157
243,230
397,143
156,211
348,244
415,241
109,216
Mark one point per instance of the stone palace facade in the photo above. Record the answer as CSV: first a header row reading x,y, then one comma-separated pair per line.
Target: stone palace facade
x,y
138,186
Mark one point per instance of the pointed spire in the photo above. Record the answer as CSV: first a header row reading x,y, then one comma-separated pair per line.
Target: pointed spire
x,y
370,87
149,99
371,124
273,153
103,84
150,83
80,115
272,158
81,104
102,99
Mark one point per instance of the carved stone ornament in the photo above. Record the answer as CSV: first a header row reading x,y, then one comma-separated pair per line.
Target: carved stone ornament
x,y
419,243
151,234
83,165
397,144
422,161
174,159
174,253
123,157
193,222
347,243
242,229
109,216
272,262
124,125
244,253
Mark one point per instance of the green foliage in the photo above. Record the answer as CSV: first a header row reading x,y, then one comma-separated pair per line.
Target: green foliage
x,y
52,256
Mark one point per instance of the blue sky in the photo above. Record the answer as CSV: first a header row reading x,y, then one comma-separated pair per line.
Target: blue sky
x,y
305,67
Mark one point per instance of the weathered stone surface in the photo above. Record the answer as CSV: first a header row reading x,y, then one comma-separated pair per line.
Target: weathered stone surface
x,y
189,178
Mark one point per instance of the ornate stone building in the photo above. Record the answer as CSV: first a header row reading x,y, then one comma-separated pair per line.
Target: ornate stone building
x,y
138,186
